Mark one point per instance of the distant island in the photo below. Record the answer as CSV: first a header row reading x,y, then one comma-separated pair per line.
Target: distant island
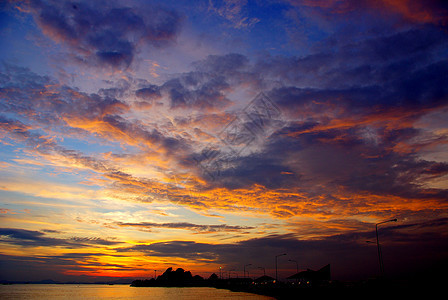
x,y
178,278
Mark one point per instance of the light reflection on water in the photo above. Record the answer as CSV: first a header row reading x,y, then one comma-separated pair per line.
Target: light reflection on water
x,y
96,291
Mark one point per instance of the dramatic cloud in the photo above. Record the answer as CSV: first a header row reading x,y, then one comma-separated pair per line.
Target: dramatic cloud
x,y
223,134
31,238
350,250
189,226
419,11
304,148
105,34
233,12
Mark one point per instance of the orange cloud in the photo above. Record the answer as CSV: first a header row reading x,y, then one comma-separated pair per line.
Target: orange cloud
x,y
421,11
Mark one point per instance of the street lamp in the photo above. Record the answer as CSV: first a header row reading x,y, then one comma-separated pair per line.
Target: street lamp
x,y
276,272
245,269
297,264
220,272
380,255
264,270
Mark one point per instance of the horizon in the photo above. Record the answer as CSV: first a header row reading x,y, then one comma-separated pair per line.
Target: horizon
x,y
141,135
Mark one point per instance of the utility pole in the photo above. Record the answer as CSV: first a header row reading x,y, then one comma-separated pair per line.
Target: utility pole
x,y
276,272
380,254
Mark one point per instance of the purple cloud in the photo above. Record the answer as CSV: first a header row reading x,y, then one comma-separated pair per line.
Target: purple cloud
x,y
105,34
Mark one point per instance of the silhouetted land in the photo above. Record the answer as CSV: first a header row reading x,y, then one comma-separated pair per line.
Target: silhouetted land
x,y
296,289
178,278
309,283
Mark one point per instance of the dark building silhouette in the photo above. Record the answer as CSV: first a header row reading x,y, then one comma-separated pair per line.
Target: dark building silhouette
x,y
264,280
313,278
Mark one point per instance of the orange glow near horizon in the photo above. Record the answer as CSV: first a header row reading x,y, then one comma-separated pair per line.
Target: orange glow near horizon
x,y
221,136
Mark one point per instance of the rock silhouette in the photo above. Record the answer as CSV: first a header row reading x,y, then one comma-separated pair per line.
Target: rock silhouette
x,y
178,278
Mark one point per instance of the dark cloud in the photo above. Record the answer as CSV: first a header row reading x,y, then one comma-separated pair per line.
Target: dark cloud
x,y
32,238
414,12
231,65
149,137
151,92
105,34
357,106
118,90
348,254
206,86
199,228
267,170
235,13
93,241
408,249
333,158
182,249
376,72
200,91
50,231
22,234
38,267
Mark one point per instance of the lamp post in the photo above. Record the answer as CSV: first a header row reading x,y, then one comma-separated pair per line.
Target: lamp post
x,y
245,269
220,272
380,255
276,271
264,270
155,274
297,264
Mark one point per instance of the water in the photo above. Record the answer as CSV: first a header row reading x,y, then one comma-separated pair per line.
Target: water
x,y
98,291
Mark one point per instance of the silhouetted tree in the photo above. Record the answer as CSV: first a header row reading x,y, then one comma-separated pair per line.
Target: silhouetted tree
x,y
213,277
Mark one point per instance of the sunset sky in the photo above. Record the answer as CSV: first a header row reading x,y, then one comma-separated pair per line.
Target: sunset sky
x,y
141,135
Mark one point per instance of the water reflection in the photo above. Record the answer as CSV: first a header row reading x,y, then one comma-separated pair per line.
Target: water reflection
x,y
91,291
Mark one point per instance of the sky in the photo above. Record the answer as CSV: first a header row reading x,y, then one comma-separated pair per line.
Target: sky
x,y
141,135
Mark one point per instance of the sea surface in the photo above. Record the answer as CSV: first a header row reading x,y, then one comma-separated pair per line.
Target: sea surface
x,y
118,291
